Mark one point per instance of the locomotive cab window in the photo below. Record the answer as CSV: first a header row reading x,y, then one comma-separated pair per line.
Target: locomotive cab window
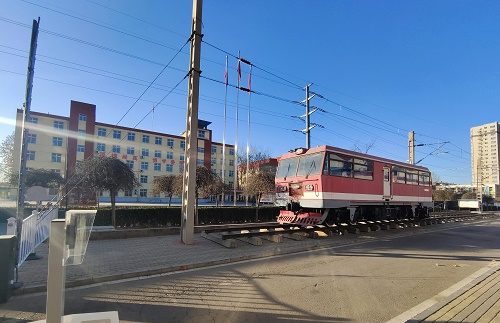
x,y
287,167
310,164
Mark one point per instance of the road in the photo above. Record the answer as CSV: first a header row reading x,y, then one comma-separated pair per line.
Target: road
x,y
374,280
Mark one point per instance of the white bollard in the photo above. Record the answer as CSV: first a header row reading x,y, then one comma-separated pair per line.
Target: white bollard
x,y
11,226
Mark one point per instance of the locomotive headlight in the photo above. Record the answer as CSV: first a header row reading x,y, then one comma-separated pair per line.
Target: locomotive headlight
x,y
309,187
282,188
295,186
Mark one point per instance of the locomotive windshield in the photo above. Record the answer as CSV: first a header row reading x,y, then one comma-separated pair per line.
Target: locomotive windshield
x,y
310,165
287,167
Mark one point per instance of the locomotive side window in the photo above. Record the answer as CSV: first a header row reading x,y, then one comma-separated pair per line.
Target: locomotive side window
x,y
399,175
363,169
424,179
310,164
287,167
340,165
411,177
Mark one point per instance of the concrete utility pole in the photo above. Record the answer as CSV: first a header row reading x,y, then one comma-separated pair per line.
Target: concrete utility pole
x,y
308,128
411,147
26,115
189,179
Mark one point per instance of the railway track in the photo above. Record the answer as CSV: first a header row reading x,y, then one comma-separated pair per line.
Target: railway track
x,y
229,237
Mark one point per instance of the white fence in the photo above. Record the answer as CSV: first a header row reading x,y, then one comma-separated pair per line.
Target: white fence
x,y
34,231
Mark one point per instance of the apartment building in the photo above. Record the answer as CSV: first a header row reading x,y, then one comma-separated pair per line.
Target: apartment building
x,y
485,157
59,143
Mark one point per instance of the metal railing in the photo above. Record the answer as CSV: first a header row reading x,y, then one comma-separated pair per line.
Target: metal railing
x,y
34,230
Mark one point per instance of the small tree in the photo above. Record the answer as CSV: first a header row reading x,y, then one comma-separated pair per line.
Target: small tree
x,y
215,187
7,158
259,183
165,184
203,182
106,174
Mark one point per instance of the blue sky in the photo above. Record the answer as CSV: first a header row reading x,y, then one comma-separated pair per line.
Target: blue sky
x,y
383,68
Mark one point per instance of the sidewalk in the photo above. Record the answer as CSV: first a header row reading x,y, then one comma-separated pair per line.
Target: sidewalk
x,y
478,301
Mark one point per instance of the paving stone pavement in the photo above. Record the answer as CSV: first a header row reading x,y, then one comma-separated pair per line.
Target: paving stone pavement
x,y
115,259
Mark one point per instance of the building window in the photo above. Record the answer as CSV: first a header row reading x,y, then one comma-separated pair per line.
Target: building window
x,y
82,132
116,149
158,140
101,132
33,119
169,168
157,167
127,193
57,141
181,157
143,192
201,134
181,168
145,139
101,147
130,150
117,134
145,152
170,143
30,155
82,117
231,173
200,162
131,136
144,179
182,144
201,149
231,152
231,162
214,161
158,153
80,148
32,138
230,184
214,150
144,165
56,158
58,125
170,155
214,171
130,163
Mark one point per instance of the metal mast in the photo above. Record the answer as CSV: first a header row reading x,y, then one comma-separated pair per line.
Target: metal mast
x,y
191,153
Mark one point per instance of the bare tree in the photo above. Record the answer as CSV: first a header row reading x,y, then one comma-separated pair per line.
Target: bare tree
x,y
106,174
259,183
165,184
7,158
366,147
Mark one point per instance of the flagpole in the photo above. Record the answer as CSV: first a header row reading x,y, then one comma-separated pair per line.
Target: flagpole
x,y
226,76
238,69
248,134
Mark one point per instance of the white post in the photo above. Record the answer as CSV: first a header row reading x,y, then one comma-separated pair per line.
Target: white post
x,y
57,272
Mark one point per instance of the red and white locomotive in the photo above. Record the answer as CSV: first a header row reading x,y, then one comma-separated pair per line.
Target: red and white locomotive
x,y
329,185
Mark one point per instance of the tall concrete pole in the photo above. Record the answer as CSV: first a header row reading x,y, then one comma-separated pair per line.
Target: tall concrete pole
x,y
308,131
411,147
189,176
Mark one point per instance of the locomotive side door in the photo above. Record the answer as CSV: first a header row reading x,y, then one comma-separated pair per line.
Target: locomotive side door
x,y
387,183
